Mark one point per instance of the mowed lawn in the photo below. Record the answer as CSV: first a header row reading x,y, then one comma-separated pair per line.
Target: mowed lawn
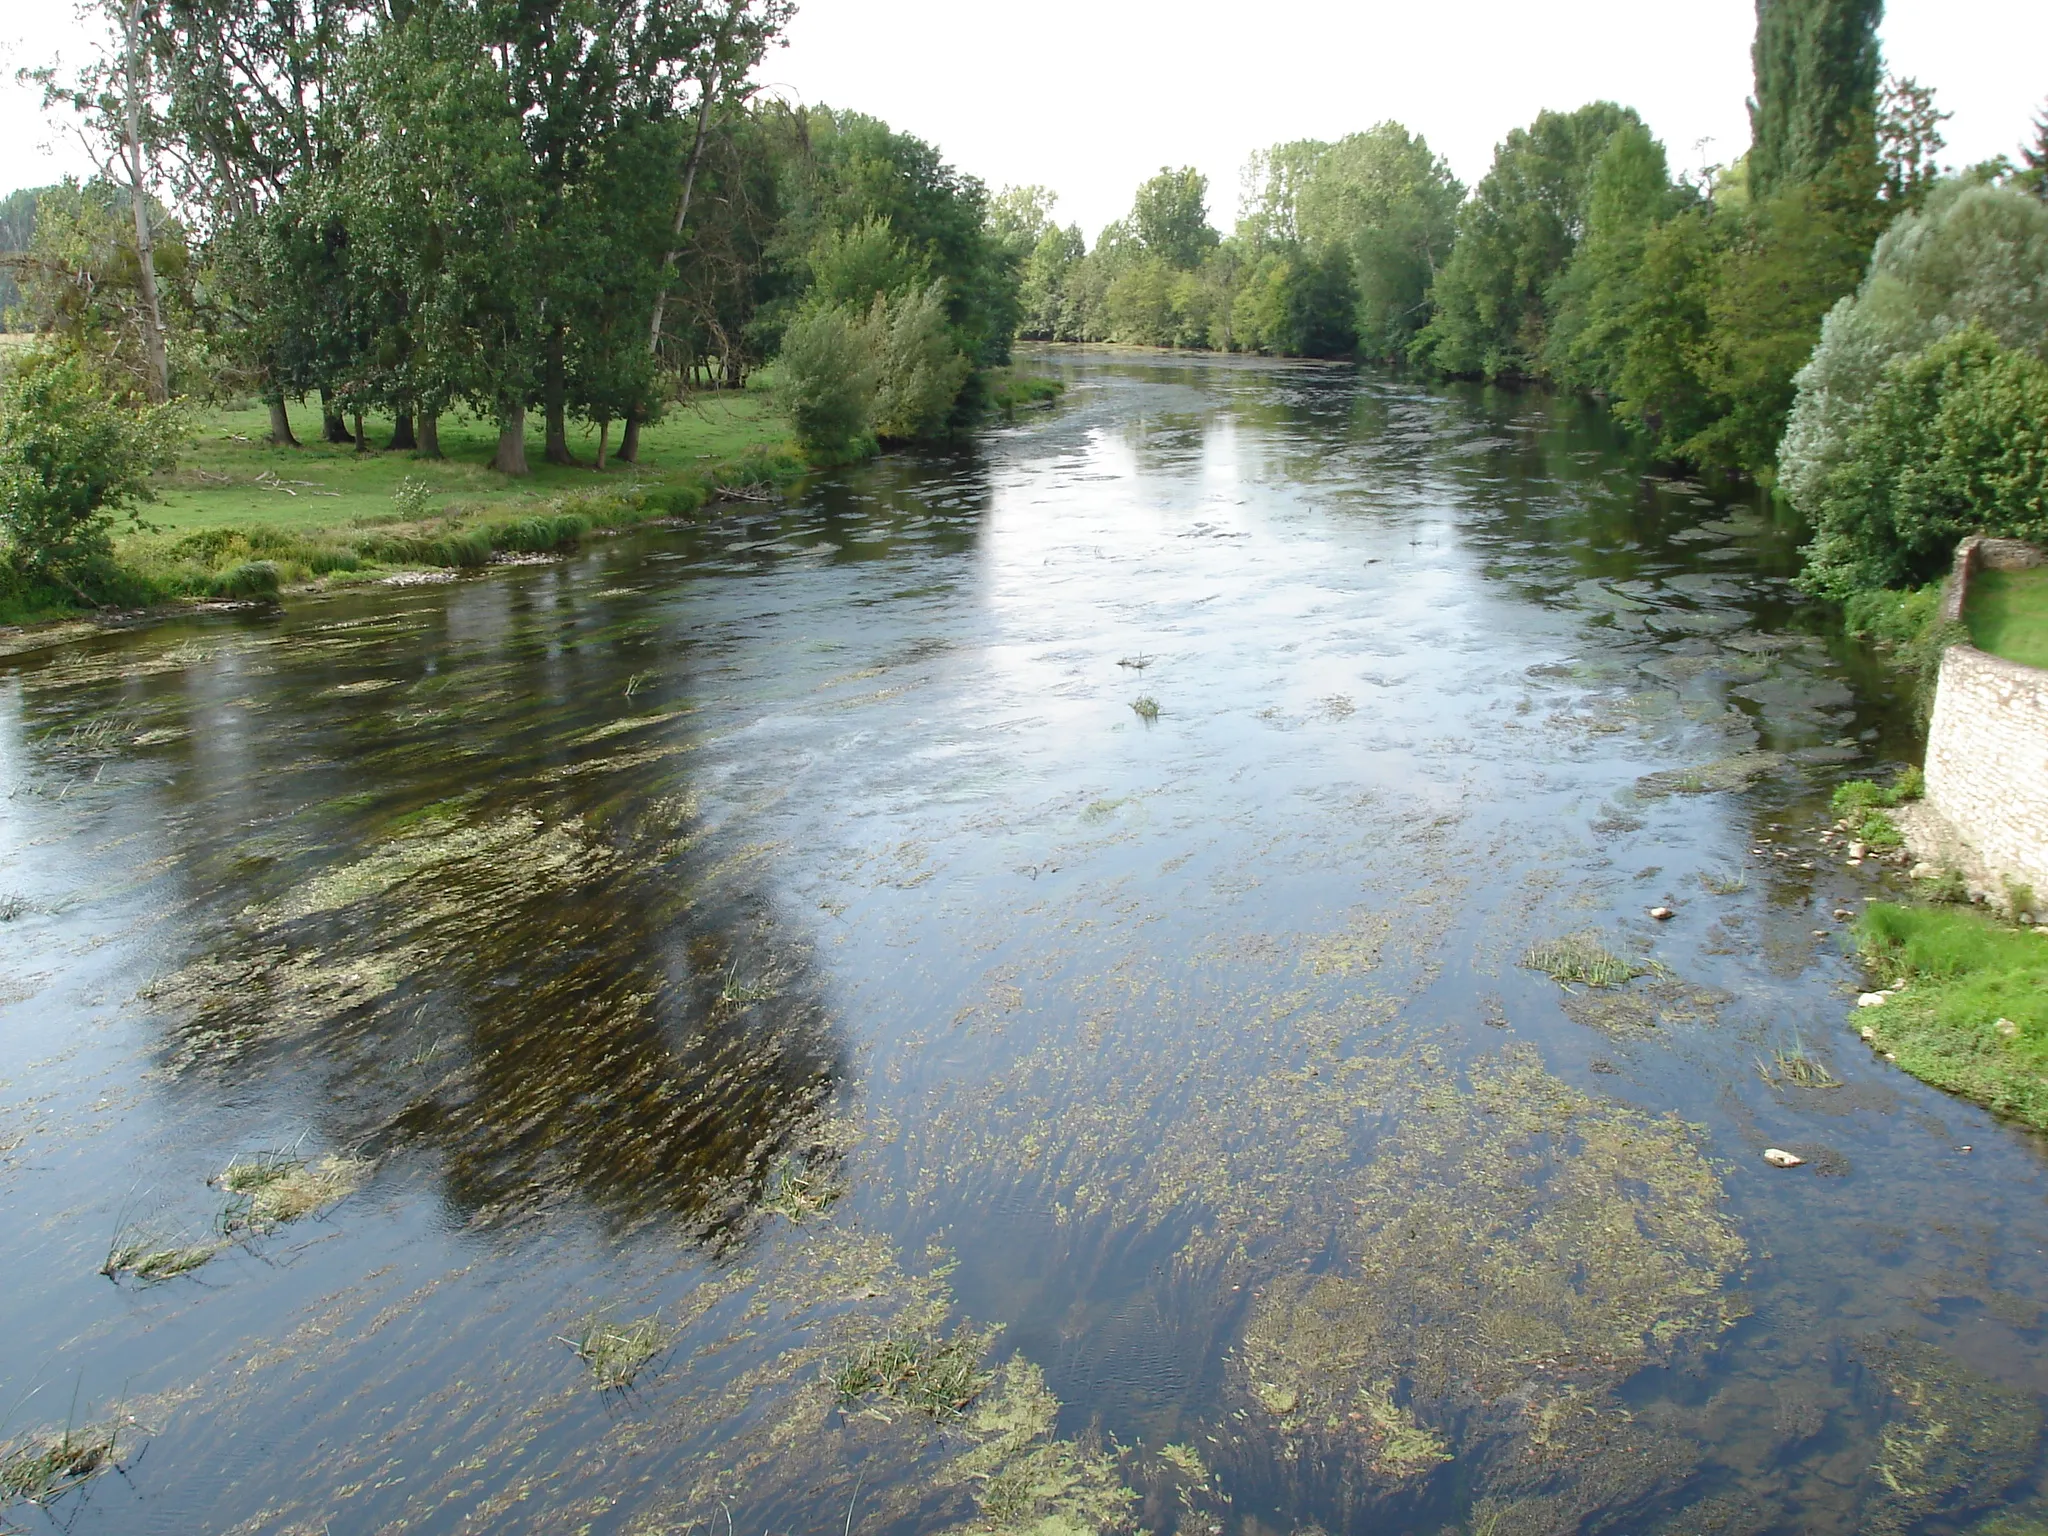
x,y
228,476
2008,614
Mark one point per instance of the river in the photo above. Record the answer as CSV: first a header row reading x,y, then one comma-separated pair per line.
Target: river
x,y
1022,979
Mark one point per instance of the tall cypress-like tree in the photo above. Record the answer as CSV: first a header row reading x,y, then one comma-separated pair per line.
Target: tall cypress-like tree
x,y
1817,69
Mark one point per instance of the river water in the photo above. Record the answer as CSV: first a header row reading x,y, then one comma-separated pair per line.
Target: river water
x,y
1014,967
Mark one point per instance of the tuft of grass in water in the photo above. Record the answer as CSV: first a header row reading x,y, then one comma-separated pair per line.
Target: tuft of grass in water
x,y
618,1353
1973,1015
273,1188
1583,958
1137,663
733,992
932,1375
1146,707
797,1192
39,1470
1796,1068
147,1255
12,905
1724,882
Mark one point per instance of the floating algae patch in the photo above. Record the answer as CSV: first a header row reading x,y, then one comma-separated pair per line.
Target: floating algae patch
x,y
274,1188
1027,1482
1513,1242
1953,1440
1710,778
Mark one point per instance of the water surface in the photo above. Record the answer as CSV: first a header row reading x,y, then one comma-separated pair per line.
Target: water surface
x,y
791,931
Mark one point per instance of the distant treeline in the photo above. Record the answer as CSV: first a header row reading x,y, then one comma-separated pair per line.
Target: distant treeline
x,y
1690,304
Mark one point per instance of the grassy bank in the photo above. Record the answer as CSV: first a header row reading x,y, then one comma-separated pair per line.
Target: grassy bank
x,y
240,518
1968,1003
2008,615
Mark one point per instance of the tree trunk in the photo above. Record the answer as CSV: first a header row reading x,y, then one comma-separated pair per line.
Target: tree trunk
x,y
629,440
511,459
401,433
280,424
332,427
362,438
138,198
668,260
430,435
555,398
604,430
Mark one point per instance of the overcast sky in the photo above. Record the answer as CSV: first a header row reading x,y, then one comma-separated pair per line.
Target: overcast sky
x,y
1089,97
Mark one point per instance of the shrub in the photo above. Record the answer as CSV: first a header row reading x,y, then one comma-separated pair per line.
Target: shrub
x,y
71,459
1954,441
828,382
252,578
918,370
412,496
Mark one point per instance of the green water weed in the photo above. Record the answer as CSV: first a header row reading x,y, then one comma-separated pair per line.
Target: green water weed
x,y
936,1376
618,1353
39,1470
1584,959
1796,1068
276,1187
1145,707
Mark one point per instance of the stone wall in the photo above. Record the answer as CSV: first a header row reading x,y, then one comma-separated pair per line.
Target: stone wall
x,y
1987,747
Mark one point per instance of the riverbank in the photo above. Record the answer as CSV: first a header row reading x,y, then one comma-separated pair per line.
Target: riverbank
x,y
239,518
1963,1003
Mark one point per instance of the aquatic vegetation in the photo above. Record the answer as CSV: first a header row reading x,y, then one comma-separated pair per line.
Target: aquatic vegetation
x,y
1516,1235
797,1192
1860,795
617,1353
1724,773
13,905
1880,833
734,992
1145,707
1724,882
1583,958
1953,1440
1025,1481
273,1188
1796,1068
934,1375
39,1470
148,1255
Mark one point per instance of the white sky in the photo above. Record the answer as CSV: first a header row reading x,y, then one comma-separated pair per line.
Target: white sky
x,y
1089,97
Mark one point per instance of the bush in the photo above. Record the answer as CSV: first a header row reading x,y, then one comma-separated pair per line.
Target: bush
x,y
917,369
71,460
252,578
828,382
1954,442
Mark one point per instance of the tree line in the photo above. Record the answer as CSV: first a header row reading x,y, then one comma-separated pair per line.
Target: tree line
x,y
1689,303
566,207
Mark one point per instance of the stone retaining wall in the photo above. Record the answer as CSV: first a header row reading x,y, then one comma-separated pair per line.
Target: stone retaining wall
x,y
1987,748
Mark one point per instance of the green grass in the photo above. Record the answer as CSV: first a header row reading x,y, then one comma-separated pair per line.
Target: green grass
x,y
1973,1016
238,518
932,1375
618,1353
1583,958
2008,615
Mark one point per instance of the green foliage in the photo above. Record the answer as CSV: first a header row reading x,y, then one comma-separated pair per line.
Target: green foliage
x,y
1515,235
917,369
72,460
1879,833
1861,795
1170,218
1973,253
1953,441
17,229
827,382
1817,69
1966,974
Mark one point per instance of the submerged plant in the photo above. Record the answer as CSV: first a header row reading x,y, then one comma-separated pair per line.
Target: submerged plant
x,y
1146,707
735,993
617,1354
147,1255
1724,882
1583,958
1796,1068
39,1470
936,1376
798,1192
276,1187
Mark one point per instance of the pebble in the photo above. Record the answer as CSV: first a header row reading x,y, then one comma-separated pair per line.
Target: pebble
x,y
1820,933
1778,1158
1856,851
1662,914
1843,914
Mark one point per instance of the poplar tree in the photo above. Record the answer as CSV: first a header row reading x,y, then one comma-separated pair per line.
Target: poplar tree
x,y
1817,70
